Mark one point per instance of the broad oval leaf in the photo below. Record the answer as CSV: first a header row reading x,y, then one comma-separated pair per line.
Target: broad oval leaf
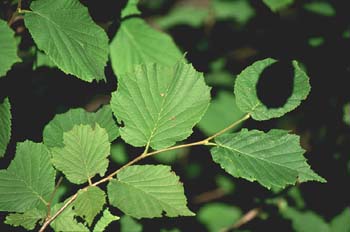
x,y
246,93
8,48
137,43
89,203
159,105
29,180
65,31
5,125
146,191
274,159
84,153
53,131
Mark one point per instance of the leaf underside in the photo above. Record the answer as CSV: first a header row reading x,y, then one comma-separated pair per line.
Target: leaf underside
x,y
66,33
247,97
29,180
274,159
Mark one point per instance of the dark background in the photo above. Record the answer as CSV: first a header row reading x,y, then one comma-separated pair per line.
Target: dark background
x,y
36,96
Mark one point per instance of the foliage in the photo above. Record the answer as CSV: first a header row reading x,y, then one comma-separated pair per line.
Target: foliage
x,y
157,100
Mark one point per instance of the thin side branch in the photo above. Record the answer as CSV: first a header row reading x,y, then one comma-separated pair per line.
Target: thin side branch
x,y
138,158
52,196
250,215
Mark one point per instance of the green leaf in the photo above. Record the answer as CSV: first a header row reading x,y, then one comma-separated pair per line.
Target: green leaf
x,y
225,184
170,230
128,224
8,48
84,154
276,5
29,180
159,105
341,223
246,93
218,216
66,33
305,221
89,203
240,10
274,159
43,60
53,132
346,114
5,125
119,154
106,219
225,106
148,191
184,14
137,43
66,222
316,41
131,8
320,7
28,219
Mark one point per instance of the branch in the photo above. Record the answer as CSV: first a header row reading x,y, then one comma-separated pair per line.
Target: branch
x,y
14,15
138,158
209,196
52,196
250,215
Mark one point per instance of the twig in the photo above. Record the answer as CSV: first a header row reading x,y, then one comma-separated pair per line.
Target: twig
x,y
209,196
250,215
14,15
52,196
138,158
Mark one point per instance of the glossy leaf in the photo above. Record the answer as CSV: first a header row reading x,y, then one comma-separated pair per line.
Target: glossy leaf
x,y
147,191
159,105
